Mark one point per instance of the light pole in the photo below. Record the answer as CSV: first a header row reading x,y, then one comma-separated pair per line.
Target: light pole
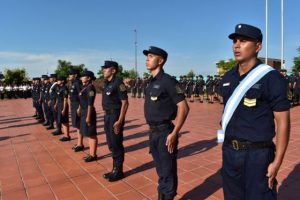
x,y
282,37
135,45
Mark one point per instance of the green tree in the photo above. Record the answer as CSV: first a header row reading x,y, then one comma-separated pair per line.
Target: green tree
x,y
64,66
130,73
15,76
225,66
297,61
190,74
146,74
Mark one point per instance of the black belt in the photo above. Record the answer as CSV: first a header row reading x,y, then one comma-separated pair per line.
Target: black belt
x,y
111,111
160,127
245,145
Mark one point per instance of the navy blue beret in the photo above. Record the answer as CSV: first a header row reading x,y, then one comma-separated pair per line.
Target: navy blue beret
x,y
247,31
88,73
53,75
156,51
61,78
108,64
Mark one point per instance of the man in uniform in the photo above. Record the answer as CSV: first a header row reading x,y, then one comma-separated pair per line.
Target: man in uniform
x,y
297,89
53,95
1,90
39,106
164,101
46,99
115,104
250,164
210,89
74,101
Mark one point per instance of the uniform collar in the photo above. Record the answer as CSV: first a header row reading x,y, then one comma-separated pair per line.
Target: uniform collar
x,y
236,69
158,76
111,81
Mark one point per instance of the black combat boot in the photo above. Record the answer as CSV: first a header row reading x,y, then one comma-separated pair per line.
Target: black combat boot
x,y
116,174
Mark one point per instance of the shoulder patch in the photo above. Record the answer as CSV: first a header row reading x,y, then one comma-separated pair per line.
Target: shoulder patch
x,y
178,89
122,87
91,93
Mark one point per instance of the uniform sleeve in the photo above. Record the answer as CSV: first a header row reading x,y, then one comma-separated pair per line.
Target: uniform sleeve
x,y
78,87
66,92
122,91
91,92
175,91
277,92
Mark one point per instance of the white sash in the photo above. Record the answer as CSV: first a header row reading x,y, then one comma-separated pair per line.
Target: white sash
x,y
253,77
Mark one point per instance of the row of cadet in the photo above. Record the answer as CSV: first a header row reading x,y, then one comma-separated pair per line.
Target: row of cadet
x,y
54,98
15,91
208,89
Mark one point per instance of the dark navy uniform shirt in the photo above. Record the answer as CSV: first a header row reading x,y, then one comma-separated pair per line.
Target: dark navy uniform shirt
x,y
113,92
74,90
42,90
87,96
47,92
62,92
161,98
253,119
53,92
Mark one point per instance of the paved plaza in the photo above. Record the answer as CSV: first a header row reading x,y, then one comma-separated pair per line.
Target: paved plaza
x,y
36,165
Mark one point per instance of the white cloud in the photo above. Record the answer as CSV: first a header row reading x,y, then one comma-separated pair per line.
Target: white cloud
x,y
37,64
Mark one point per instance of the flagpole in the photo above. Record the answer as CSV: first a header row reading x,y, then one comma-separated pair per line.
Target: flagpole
x,y
282,37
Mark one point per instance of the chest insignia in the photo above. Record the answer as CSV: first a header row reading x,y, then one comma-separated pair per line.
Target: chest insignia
x,y
249,102
122,87
153,98
91,93
178,89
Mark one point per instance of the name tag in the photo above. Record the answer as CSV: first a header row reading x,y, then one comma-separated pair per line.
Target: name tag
x,y
226,84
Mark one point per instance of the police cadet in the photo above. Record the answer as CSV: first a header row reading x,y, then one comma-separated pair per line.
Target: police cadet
x,y
87,113
201,85
164,101
63,108
39,106
1,90
209,88
74,90
46,99
250,164
34,97
297,89
53,96
115,104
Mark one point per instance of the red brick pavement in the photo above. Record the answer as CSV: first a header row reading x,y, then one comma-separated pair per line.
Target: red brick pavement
x,y
36,165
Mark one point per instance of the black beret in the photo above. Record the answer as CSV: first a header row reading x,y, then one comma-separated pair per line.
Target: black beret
x,y
108,64
61,78
53,75
89,74
283,70
45,77
156,51
73,71
247,31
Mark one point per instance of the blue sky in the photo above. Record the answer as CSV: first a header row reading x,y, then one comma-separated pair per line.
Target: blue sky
x,y
36,33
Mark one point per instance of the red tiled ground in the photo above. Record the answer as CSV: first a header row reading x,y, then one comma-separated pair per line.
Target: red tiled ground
x,y
35,165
